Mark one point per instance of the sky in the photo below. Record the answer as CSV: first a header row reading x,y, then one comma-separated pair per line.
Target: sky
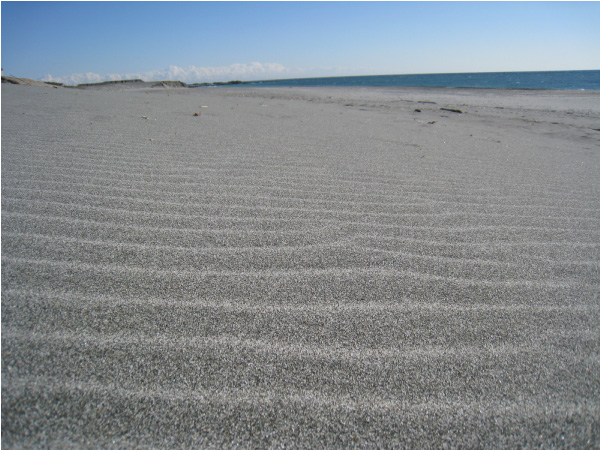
x,y
79,42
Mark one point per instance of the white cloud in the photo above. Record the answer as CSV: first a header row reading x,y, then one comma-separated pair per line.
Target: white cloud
x,y
191,74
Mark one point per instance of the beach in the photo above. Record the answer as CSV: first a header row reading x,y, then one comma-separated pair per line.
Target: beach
x,y
245,267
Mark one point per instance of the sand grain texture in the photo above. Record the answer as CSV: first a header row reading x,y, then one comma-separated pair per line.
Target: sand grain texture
x,y
300,268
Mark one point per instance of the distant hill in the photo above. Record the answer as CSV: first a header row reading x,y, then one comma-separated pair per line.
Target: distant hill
x,y
131,84
154,84
120,84
108,83
169,84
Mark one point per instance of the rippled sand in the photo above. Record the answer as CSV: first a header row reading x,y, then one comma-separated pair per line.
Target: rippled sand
x,y
300,267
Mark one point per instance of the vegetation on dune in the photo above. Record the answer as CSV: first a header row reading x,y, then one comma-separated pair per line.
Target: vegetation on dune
x,y
169,83
165,83
216,83
137,80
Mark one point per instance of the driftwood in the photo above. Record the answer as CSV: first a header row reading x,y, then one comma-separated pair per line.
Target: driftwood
x,y
452,110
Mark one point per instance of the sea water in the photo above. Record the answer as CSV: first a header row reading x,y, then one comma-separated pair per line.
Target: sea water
x,y
570,80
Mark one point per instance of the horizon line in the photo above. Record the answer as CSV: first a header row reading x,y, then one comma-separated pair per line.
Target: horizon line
x,y
308,78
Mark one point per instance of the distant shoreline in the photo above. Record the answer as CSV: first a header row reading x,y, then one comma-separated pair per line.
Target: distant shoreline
x,y
137,82
546,80
164,83
587,80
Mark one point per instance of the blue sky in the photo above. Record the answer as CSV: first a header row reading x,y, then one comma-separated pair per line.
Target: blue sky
x,y
76,42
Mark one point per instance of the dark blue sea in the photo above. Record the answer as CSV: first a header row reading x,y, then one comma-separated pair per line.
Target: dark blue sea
x,y
570,80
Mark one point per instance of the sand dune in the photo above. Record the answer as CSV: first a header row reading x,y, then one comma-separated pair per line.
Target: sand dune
x,y
24,81
300,267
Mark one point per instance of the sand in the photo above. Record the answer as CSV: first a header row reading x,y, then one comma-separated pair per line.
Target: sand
x,y
300,267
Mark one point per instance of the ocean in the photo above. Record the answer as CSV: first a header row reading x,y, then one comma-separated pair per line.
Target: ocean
x,y
569,80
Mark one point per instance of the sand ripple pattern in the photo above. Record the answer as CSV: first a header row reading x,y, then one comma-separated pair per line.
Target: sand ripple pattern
x,y
296,268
